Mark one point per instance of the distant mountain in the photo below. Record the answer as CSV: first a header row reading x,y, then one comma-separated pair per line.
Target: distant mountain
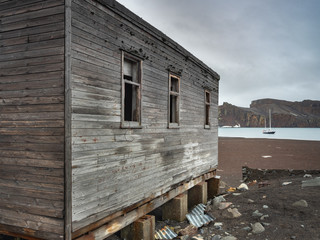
x,y
284,114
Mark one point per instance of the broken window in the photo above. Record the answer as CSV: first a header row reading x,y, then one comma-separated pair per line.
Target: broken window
x,y
131,92
207,108
174,93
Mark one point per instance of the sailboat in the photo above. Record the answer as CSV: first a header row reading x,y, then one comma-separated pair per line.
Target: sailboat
x,y
268,131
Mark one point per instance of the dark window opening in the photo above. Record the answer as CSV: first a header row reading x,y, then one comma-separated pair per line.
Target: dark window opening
x,y
174,94
173,109
174,84
126,77
207,107
207,97
131,91
207,115
131,103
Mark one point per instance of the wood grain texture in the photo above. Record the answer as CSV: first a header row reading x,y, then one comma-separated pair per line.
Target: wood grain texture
x,y
121,220
68,107
32,118
66,163
114,168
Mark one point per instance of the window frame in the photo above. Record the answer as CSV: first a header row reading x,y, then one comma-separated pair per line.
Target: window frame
x,y
125,123
207,107
177,95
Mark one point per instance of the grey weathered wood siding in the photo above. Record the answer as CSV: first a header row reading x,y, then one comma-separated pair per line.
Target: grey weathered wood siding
x,y
32,117
113,168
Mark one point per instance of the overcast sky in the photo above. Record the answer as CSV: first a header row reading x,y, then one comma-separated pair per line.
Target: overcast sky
x,y
260,48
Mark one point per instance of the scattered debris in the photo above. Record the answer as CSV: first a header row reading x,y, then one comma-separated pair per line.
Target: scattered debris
x,y
198,237
257,228
199,209
217,201
252,183
256,213
259,210
311,183
231,213
218,225
189,230
263,184
286,183
307,176
177,229
267,156
243,187
250,174
248,229
224,205
231,189
236,194
197,217
300,203
165,233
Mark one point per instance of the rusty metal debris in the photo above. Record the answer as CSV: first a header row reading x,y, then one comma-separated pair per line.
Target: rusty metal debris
x,y
197,217
165,233
263,184
231,189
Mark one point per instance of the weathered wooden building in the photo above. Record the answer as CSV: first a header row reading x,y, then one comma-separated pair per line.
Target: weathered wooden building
x,y
103,118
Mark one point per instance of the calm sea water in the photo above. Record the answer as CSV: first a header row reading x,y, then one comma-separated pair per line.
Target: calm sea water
x,y
281,133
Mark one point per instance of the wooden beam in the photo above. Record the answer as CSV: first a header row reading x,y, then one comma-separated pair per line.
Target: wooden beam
x,y
18,236
129,217
68,133
11,231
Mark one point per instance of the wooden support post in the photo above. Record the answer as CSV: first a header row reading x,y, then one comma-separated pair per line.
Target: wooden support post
x,y
213,187
197,194
177,208
143,228
126,232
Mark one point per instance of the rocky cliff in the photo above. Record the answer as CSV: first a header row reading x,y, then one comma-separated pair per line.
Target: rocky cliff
x,y
284,114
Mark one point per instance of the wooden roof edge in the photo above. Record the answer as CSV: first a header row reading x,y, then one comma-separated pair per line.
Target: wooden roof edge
x,y
144,25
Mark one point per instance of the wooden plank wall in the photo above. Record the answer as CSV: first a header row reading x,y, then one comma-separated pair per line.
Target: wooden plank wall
x,y
113,168
32,118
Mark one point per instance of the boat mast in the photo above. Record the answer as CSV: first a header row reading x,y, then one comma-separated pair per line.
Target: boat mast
x,y
269,118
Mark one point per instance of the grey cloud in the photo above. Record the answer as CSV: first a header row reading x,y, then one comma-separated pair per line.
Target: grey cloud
x,y
260,48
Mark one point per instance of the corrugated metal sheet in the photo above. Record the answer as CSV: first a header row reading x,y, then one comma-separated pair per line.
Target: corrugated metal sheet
x,y
165,233
197,217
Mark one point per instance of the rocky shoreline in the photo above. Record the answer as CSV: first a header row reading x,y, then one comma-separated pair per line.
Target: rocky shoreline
x,y
284,114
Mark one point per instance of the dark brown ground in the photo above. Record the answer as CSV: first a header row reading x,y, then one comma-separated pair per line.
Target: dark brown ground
x,y
285,154
286,221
